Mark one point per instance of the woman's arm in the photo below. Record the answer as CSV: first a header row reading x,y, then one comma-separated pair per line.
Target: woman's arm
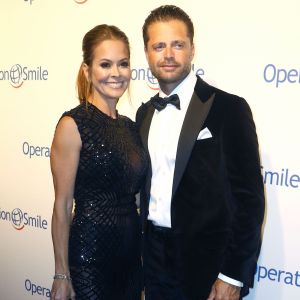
x,y
64,160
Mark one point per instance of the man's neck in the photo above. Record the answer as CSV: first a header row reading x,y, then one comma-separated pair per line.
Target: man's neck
x,y
167,88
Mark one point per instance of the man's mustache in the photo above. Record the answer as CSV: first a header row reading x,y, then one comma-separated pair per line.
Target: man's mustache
x,y
169,63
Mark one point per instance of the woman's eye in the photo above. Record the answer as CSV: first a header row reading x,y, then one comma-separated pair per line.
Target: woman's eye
x,y
105,65
124,64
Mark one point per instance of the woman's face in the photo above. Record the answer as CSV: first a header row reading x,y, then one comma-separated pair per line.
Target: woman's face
x,y
110,71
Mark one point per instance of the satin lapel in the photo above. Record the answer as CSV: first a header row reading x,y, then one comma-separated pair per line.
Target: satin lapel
x,y
145,126
192,124
144,132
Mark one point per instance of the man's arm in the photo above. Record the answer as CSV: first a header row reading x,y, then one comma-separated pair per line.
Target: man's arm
x,y
247,192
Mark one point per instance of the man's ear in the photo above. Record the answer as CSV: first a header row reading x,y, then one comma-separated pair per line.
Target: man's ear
x,y
146,53
193,51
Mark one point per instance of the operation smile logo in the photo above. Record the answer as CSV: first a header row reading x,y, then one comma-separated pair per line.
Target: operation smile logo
x,y
280,76
281,178
278,276
144,74
20,219
35,289
18,74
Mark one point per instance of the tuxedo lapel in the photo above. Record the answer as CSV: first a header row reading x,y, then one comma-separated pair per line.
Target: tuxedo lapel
x,y
144,132
192,124
145,125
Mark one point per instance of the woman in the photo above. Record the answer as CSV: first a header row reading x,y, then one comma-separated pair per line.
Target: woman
x,y
97,158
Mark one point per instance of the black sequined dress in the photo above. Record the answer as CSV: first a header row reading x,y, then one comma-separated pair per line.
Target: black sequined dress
x,y
105,235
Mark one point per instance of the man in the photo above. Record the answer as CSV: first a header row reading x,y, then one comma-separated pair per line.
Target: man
x,y
203,202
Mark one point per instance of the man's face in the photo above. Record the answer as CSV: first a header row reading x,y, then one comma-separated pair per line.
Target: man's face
x,y
169,53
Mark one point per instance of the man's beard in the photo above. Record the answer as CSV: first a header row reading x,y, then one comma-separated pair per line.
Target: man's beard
x,y
160,76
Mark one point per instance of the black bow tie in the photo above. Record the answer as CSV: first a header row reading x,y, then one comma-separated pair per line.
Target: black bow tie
x,y
160,103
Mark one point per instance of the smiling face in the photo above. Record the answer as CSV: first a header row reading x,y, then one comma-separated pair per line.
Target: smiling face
x,y
109,71
169,52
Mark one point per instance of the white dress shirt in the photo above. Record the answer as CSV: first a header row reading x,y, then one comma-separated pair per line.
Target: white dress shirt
x,y
162,143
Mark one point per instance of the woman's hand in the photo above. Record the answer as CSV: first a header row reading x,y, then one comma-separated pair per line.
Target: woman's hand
x,y
62,289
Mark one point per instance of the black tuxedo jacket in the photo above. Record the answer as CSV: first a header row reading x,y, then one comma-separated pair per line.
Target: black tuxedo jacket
x,y
217,204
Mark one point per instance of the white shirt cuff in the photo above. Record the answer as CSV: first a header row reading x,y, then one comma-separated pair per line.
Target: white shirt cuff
x,y
230,280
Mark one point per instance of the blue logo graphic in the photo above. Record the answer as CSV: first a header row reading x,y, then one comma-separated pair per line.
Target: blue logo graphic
x,y
31,150
35,289
18,74
17,218
280,76
20,219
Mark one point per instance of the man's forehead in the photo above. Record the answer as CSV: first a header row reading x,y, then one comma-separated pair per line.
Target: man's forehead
x,y
169,30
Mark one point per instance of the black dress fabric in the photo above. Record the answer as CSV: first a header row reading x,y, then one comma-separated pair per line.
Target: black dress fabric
x,y
105,235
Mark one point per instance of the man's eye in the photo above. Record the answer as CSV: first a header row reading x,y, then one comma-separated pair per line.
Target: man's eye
x,y
158,47
105,65
179,46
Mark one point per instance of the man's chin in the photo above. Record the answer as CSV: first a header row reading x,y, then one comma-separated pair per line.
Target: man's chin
x,y
170,79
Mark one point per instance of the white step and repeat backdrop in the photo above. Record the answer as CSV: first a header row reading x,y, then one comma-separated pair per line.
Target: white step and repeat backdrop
x,y
250,48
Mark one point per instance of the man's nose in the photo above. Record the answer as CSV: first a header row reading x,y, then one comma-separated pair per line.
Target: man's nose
x,y
169,52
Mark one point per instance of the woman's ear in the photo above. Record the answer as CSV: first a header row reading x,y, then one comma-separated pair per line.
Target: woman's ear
x,y
85,69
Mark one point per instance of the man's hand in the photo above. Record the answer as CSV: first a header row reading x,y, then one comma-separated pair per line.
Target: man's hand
x,y
222,290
